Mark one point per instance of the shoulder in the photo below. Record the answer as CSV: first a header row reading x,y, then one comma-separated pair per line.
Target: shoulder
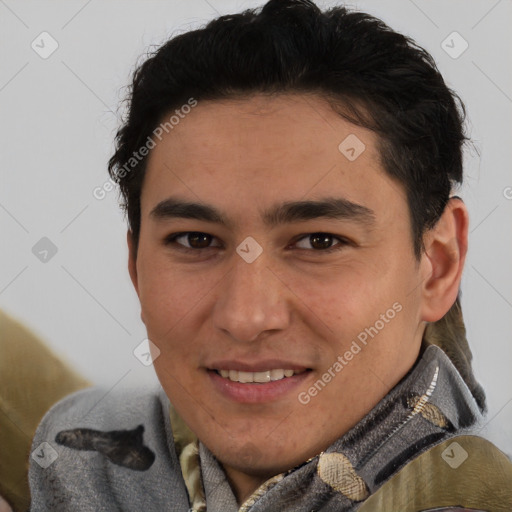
x,y
465,471
98,449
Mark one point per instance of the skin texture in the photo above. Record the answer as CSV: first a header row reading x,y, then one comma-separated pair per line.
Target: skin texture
x,y
4,506
295,303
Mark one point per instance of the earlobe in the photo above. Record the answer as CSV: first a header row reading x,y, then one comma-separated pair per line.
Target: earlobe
x,y
444,255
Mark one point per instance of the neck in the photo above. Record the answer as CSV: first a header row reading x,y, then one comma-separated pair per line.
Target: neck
x,y
243,484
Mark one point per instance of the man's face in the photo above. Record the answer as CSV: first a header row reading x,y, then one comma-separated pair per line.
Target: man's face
x,y
336,281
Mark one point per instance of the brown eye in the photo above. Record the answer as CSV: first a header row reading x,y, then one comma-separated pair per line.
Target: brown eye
x,y
192,240
317,241
321,240
199,240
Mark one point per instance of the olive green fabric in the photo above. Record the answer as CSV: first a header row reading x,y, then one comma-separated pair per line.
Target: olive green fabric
x,y
482,481
32,379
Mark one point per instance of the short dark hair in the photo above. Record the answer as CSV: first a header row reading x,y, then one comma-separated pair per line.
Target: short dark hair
x,y
369,74
373,76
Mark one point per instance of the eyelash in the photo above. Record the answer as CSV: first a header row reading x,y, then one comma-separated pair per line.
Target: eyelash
x,y
342,242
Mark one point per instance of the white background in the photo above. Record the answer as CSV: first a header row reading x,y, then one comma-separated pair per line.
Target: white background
x,y
58,120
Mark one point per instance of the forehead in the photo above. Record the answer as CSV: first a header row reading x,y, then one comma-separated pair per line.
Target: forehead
x,y
266,149
292,126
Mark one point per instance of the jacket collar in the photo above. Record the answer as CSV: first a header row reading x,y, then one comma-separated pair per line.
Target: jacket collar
x,y
430,404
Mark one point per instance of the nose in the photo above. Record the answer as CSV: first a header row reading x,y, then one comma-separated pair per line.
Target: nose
x,y
252,300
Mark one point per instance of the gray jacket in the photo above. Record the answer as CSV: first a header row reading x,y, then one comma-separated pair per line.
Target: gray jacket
x,y
100,451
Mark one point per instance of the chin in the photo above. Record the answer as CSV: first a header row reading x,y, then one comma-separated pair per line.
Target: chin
x,y
251,461
261,458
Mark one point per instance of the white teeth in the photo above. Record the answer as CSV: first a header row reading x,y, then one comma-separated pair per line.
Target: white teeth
x,y
276,374
259,377
262,376
245,377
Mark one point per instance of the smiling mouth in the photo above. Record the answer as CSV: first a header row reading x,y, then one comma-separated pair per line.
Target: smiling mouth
x,y
258,377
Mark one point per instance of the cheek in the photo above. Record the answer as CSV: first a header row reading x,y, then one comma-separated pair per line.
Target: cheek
x,y
361,303
344,298
176,306
167,295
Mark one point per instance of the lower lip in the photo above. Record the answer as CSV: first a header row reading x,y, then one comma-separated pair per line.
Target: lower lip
x,y
253,393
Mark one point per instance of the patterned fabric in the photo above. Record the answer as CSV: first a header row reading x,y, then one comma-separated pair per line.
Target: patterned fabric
x,y
339,474
405,423
429,406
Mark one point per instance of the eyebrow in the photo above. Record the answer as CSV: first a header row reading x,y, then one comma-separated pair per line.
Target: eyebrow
x,y
286,213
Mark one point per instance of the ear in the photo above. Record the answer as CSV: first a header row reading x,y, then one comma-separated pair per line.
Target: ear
x,y
445,249
132,260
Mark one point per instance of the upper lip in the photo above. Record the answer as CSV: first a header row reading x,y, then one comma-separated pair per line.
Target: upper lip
x,y
259,366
